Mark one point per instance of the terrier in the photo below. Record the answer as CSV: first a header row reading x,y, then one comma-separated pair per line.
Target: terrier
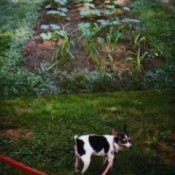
x,y
99,145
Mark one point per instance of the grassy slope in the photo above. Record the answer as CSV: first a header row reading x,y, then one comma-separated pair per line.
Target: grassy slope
x,y
158,28
16,20
53,121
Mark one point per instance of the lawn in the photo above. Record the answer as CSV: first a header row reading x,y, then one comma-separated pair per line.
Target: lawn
x,y
39,131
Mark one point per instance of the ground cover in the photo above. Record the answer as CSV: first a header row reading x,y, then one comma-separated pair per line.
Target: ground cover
x,y
75,46
39,131
15,28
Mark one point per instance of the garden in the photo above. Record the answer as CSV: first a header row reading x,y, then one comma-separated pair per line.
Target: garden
x,y
53,47
73,67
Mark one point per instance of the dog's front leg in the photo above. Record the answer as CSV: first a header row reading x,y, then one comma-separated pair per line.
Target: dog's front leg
x,y
108,167
86,160
105,159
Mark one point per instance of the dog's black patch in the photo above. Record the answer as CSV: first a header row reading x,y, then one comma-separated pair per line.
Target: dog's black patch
x,y
80,148
122,138
98,143
116,139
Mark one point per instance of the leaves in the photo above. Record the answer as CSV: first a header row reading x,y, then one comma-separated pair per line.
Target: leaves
x,y
89,10
46,36
55,27
61,2
44,27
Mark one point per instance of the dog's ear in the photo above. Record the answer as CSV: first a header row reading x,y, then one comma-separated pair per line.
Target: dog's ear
x,y
114,132
125,128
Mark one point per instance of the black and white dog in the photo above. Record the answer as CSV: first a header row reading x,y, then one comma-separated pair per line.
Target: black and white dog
x,y
99,145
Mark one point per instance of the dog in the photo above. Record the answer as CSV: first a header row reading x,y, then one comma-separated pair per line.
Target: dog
x,y
99,145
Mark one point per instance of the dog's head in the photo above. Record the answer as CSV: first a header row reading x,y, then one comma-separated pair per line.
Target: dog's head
x,y
121,139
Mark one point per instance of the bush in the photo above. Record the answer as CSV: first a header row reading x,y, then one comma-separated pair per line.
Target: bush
x,y
17,82
162,78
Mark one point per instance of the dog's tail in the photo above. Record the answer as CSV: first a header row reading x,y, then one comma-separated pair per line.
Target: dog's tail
x,y
75,137
75,144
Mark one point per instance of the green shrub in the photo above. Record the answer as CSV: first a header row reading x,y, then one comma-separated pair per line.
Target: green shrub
x,y
85,82
162,78
17,82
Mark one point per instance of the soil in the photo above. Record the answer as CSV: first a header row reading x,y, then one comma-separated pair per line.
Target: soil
x,y
169,4
15,133
166,150
39,52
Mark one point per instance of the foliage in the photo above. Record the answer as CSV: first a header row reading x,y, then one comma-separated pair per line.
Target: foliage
x,y
17,82
63,52
5,39
89,31
83,82
159,32
15,24
61,2
89,10
142,42
113,37
162,78
157,26
61,11
141,53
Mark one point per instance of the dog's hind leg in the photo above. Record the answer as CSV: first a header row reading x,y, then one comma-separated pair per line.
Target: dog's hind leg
x,y
86,160
76,163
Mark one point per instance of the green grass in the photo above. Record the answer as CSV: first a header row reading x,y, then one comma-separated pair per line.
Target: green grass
x,y
53,121
157,27
17,18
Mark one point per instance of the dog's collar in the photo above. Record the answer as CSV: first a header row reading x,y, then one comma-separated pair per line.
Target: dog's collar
x,y
116,146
